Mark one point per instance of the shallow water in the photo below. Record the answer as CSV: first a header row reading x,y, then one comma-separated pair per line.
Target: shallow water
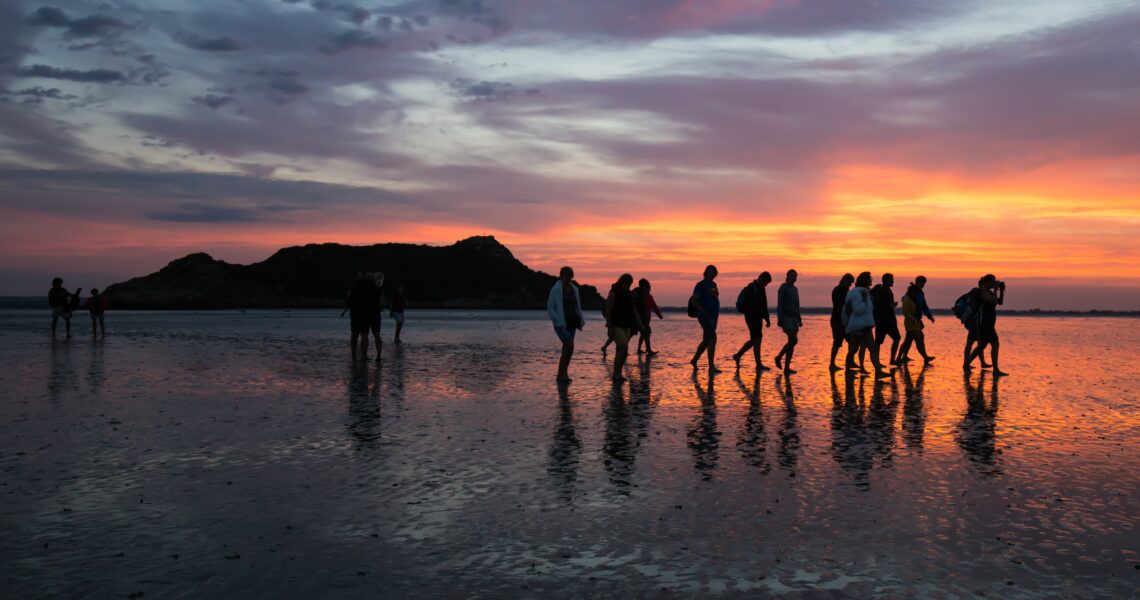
x,y
241,454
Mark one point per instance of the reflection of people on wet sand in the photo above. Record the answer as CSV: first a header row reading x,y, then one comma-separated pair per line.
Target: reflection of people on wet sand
x,y
752,302
789,431
60,301
364,313
623,321
976,432
704,438
789,319
914,414
566,447
850,444
618,445
96,305
364,407
564,307
753,439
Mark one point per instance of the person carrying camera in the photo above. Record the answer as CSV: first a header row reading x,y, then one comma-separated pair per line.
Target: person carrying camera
x,y
992,294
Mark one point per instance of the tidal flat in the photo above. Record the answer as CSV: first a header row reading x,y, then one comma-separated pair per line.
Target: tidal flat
x,y
244,455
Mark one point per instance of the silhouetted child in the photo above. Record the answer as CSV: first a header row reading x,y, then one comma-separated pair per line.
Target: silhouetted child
x,y
96,305
646,306
396,309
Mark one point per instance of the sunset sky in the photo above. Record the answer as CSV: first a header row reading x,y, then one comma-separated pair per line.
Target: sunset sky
x,y
945,137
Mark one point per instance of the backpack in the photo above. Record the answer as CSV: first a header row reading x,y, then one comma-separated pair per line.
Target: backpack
x,y
743,299
692,309
966,306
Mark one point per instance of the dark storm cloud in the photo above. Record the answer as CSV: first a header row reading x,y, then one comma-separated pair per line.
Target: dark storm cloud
x,y
213,101
222,43
87,76
347,40
91,26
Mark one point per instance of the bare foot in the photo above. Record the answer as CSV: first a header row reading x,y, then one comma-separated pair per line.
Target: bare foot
x,y
736,359
778,364
834,367
999,373
713,369
764,367
881,374
789,371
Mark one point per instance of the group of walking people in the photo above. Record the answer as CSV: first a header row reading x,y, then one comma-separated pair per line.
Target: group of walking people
x,y
862,316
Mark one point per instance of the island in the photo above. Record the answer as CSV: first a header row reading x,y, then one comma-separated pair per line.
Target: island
x,y
477,272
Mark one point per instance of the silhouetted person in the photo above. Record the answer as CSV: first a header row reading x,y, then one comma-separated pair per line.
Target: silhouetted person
x,y
969,319
789,319
565,309
96,305
912,323
838,331
60,300
705,301
753,303
396,309
624,320
992,294
858,311
886,324
646,307
364,313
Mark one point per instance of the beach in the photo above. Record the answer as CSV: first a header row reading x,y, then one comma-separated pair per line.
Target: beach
x,y
243,454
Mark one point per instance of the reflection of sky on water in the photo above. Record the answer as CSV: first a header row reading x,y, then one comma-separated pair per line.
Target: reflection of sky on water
x,y
456,462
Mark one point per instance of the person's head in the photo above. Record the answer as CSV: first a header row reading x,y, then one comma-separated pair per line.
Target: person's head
x,y
379,277
911,290
94,292
792,276
920,282
56,282
888,279
864,279
846,280
710,272
643,283
625,280
566,274
989,281
764,279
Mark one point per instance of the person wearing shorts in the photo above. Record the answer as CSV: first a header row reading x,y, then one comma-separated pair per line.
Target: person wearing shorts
x,y
564,307
756,318
838,330
706,301
789,319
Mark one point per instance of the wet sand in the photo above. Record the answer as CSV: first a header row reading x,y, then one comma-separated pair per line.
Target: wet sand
x,y
243,455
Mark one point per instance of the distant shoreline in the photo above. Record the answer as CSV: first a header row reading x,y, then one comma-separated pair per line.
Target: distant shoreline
x,y
40,303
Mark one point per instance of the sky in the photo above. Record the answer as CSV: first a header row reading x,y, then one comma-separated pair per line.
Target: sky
x,y
950,138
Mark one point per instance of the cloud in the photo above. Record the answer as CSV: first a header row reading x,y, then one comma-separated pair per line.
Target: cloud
x,y
87,76
223,43
91,26
49,16
45,93
192,212
353,38
287,86
213,101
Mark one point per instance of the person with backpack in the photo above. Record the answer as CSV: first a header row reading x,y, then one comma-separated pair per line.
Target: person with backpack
x,y
752,302
859,320
789,319
912,323
991,294
704,305
624,320
646,307
838,331
966,308
564,306
886,324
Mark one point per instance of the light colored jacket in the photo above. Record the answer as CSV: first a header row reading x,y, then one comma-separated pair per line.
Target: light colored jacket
x,y
858,310
557,311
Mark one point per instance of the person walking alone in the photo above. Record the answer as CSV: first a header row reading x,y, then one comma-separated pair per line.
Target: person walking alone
x,y
564,306
704,304
789,319
753,303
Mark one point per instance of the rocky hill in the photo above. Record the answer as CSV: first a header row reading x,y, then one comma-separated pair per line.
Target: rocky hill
x,y
478,272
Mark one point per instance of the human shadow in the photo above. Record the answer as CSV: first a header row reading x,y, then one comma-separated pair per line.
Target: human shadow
x,y
850,443
976,433
788,433
881,414
753,439
566,447
704,437
618,445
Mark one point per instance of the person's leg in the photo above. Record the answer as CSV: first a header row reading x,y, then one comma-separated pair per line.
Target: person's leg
x,y
701,347
609,340
743,348
894,335
94,324
854,344
904,349
399,327
880,335
968,353
619,359
920,343
793,339
870,340
994,344
54,321
756,352
564,360
711,347
102,326
364,345
376,336
353,341
863,355
835,346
